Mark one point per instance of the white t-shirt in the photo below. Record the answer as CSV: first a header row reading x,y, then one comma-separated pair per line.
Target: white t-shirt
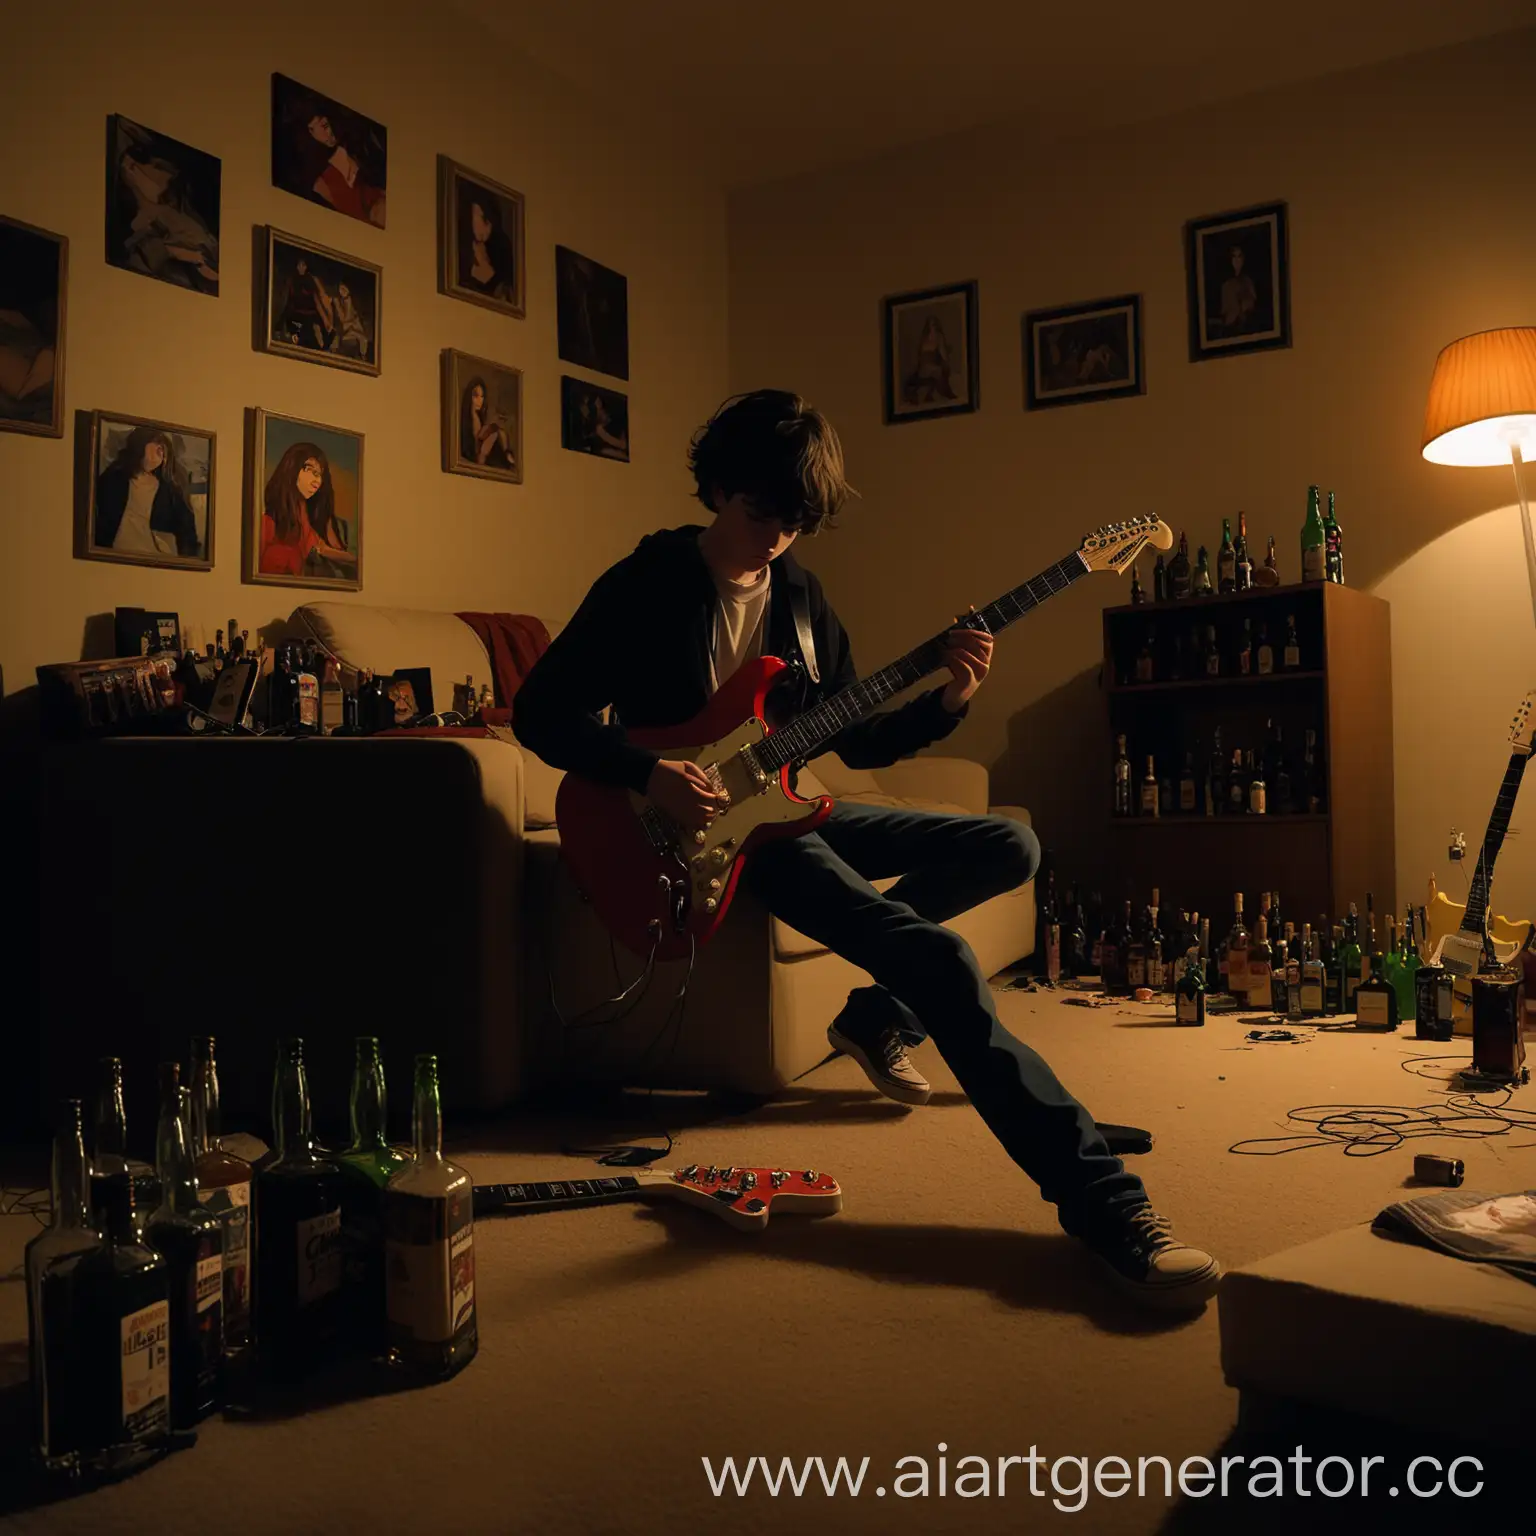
x,y
134,532
741,616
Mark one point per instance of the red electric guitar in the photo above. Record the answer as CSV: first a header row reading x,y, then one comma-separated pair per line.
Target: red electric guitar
x,y
662,890
741,1197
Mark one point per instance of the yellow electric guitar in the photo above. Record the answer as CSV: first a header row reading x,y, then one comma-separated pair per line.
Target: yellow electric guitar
x,y
1465,939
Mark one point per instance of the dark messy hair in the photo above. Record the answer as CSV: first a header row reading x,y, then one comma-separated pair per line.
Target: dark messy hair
x,y
778,452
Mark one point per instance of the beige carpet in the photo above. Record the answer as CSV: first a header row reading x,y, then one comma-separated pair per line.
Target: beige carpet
x,y
621,1345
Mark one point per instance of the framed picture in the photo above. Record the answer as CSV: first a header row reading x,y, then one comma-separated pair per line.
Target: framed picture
x,y
482,418
328,153
34,276
138,631
320,305
1083,352
479,239
1238,270
304,513
930,353
148,496
591,314
162,207
409,692
594,419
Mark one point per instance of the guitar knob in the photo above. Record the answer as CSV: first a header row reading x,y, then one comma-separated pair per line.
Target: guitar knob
x,y
717,858
698,836
714,885
711,903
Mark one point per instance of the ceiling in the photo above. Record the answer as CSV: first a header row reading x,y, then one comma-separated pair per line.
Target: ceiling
x,y
769,90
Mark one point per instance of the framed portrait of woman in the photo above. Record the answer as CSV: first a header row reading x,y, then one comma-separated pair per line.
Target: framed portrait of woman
x,y
162,207
482,418
320,306
146,496
34,267
331,154
304,504
479,239
931,366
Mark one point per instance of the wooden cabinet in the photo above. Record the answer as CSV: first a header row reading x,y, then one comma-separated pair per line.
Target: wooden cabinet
x,y
1342,690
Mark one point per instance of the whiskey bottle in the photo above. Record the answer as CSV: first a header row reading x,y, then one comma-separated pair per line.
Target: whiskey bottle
x,y
367,1166
56,1428
1244,558
1187,787
1313,554
1122,801
1226,560
1349,961
1157,969
1375,999
430,1246
1138,592
1264,652
1311,976
1260,969
224,1190
298,1261
1200,582
1258,793
191,1241
1234,967
1149,800
1290,657
1268,574
1189,995
1333,545
1159,581
1179,580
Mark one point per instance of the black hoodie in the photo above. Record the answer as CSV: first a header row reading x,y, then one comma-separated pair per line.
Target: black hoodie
x,y
640,643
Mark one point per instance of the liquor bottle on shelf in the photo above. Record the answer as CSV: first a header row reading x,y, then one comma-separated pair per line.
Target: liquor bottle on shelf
x,y
1244,666
1330,941
1263,652
1159,581
1157,965
1279,979
1226,559
56,1428
1244,558
1258,790
1200,582
1259,968
429,1241
1376,999
1237,784
1179,578
1268,574
121,1327
1212,652
1234,954
1290,656
1138,592
1146,658
282,692
1349,961
1177,665
1313,553
191,1241
299,1265
1188,789
367,1166
1135,952
1333,545
1311,975
1122,800
1149,801
1189,995
224,1189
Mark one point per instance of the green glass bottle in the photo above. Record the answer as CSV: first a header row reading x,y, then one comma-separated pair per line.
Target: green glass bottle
x,y
1349,958
367,1166
1226,559
1333,546
1314,564
1189,995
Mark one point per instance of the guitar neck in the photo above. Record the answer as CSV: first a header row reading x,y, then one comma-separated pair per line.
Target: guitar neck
x,y
804,737
1476,916
564,1194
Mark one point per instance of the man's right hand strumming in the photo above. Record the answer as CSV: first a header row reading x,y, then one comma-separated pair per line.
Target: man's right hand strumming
x,y
683,791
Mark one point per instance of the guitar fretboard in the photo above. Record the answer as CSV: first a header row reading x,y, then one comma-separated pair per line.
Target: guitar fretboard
x,y
805,736
518,1199
1476,916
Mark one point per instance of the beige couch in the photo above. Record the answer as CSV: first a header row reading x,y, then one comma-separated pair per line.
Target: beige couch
x,y
756,1008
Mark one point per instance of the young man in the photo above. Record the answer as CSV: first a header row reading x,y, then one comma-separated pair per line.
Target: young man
x,y
655,637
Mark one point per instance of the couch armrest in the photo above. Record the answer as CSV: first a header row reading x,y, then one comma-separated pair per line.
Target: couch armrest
x,y
954,780
1013,812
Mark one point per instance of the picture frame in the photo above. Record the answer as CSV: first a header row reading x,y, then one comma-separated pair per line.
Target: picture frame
x,y
162,217
594,419
304,503
34,293
482,433
120,518
409,691
1238,276
1078,352
139,631
481,239
320,305
328,153
930,353
591,314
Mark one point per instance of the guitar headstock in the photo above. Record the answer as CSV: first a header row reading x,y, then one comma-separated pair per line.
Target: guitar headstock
x,y
742,1196
1523,727
1114,546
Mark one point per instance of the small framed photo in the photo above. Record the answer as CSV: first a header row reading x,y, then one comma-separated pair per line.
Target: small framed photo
x,y
1239,276
162,207
34,276
930,353
479,239
591,314
594,419
328,153
320,305
409,692
304,513
482,418
138,631
1083,352
148,497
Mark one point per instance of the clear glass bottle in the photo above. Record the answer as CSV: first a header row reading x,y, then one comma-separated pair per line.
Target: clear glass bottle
x,y
430,1247
1311,975
1294,999
224,1187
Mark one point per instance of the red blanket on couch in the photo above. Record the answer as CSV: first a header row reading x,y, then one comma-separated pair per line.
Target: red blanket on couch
x,y
514,641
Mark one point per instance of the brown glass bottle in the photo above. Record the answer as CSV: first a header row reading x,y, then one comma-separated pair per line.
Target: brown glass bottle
x,y
224,1187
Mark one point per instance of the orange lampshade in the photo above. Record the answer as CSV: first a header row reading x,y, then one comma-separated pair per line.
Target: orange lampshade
x,y
1482,399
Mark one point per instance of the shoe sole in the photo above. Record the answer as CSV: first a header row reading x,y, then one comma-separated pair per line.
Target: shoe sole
x,y
1188,1295
891,1089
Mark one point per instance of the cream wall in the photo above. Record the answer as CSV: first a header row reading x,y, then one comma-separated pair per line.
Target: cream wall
x,y
1411,224
611,189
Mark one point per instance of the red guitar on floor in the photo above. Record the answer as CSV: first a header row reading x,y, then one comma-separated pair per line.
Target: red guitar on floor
x,y
662,890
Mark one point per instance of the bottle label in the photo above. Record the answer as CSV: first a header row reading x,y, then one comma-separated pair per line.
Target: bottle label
x,y
146,1371
1266,660
231,1203
318,1241
430,1265
1292,658
1312,559
1245,661
210,1282
1312,997
1260,992
1156,978
1186,794
1213,664
1351,983
1186,1008
1258,799
1373,1008
1136,971
1149,799
1237,970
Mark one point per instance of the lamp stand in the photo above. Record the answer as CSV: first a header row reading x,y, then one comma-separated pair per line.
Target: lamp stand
x,y
1525,520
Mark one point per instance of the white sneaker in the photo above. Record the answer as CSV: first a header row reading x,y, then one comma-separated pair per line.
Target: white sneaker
x,y
885,1061
1147,1261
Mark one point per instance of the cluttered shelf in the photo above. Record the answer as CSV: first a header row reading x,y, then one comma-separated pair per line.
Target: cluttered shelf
x,y
1238,681
1192,820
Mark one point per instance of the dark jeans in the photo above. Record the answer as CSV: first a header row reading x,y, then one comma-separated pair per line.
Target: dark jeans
x,y
927,980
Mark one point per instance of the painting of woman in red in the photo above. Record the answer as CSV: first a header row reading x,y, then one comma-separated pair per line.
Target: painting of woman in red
x,y
300,533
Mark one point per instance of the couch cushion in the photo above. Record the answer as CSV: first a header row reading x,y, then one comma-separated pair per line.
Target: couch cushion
x,y
390,639
837,778
540,783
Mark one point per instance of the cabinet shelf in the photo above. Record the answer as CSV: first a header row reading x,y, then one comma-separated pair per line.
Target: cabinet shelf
x,y
1196,605
1253,680
1283,819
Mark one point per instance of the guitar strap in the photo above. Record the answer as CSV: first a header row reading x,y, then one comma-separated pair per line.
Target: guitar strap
x,y
801,608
